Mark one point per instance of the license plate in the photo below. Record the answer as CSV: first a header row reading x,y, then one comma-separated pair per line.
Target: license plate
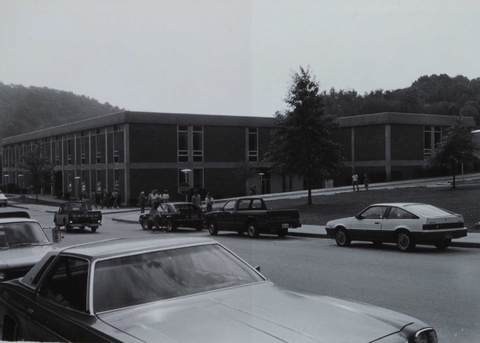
x,y
285,226
448,236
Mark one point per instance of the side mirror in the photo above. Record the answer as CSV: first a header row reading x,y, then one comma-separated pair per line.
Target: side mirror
x,y
257,268
56,235
359,217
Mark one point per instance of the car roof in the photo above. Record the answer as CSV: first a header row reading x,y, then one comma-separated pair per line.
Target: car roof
x,y
399,204
133,245
17,220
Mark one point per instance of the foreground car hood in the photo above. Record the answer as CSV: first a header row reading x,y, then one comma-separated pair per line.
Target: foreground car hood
x,y
344,221
22,256
257,313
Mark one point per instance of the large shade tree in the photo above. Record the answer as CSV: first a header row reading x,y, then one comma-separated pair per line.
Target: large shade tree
x,y
302,143
37,169
457,146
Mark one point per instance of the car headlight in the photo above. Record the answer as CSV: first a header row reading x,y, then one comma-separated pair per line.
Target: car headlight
x,y
426,336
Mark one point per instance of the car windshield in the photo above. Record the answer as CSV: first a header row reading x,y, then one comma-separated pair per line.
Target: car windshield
x,y
13,235
160,275
428,210
185,207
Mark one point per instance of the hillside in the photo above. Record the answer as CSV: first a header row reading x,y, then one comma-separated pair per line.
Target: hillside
x,y
28,109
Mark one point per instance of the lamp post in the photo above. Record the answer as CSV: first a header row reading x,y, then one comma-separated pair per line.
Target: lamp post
x,y
77,184
20,176
6,183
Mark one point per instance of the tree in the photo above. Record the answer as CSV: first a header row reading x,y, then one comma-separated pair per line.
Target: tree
x,y
243,171
37,170
458,146
302,143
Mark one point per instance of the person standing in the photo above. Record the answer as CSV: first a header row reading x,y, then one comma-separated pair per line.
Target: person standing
x,y
142,200
165,197
105,198
209,201
355,182
366,181
93,198
114,198
197,199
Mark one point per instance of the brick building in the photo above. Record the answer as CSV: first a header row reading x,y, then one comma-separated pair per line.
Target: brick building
x,y
139,151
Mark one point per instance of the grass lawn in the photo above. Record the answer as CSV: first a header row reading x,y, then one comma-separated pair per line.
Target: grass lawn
x,y
464,200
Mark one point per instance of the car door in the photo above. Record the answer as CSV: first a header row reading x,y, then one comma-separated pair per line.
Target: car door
x,y
59,312
225,219
60,215
368,224
398,218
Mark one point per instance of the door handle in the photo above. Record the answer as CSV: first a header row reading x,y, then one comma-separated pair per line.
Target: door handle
x,y
30,311
377,222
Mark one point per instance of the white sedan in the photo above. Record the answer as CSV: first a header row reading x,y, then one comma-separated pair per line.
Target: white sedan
x,y
405,224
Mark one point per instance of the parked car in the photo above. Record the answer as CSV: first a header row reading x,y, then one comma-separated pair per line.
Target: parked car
x,y
405,224
23,243
77,214
252,216
3,200
173,215
170,289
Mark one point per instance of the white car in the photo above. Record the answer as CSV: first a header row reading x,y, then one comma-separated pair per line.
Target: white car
x,y
405,224
3,200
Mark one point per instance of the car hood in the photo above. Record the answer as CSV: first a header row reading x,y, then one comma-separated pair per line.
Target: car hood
x,y
344,221
22,256
257,313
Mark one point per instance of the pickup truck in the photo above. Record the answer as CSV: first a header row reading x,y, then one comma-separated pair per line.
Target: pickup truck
x,y
252,216
77,214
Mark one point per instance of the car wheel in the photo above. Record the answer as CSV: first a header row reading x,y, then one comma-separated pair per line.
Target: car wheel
x,y
252,230
342,238
282,232
93,228
443,244
405,241
145,225
212,228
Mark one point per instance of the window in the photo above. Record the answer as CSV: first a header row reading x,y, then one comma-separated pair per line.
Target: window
x,y
198,144
252,144
432,137
116,144
66,283
229,206
398,213
375,212
198,178
182,143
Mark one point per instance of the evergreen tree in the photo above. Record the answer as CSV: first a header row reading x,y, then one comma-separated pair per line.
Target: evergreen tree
x,y
302,143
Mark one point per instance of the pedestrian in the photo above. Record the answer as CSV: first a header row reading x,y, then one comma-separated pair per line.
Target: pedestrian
x,y
93,198
253,191
155,196
197,199
209,201
366,181
105,198
165,197
114,198
142,199
355,182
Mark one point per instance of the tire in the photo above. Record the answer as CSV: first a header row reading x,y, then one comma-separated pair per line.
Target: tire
x,y
443,244
342,238
212,228
170,225
282,233
252,230
93,228
405,241
145,225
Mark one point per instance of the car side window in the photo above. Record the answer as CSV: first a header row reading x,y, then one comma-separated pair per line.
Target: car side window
x,y
229,206
257,204
398,213
243,205
375,212
66,283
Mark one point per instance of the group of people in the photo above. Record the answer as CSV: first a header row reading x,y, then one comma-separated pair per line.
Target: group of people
x,y
355,181
105,199
155,199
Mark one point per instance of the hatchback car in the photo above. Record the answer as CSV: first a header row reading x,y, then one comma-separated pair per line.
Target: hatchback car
x,y
405,224
171,289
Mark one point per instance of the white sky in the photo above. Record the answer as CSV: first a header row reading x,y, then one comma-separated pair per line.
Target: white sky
x,y
231,56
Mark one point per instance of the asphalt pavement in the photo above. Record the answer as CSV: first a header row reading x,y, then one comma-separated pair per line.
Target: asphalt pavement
x,y
130,215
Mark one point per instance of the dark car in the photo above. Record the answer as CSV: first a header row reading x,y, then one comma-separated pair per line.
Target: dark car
x,y
173,215
23,243
252,216
77,214
170,289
